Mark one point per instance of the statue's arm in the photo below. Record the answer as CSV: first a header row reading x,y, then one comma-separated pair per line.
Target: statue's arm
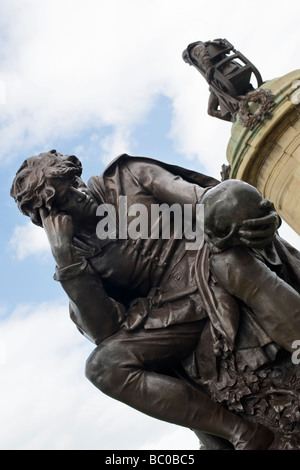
x,y
165,186
96,315
94,312
169,188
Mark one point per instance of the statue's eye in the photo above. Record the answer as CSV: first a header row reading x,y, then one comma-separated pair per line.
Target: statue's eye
x,y
76,183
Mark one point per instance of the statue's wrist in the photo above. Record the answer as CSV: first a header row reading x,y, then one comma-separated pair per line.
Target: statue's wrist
x,y
70,271
64,261
65,256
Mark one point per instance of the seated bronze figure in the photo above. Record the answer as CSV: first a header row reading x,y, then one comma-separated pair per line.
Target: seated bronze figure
x,y
202,338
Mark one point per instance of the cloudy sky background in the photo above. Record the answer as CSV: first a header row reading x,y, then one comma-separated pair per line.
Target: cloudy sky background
x,y
97,78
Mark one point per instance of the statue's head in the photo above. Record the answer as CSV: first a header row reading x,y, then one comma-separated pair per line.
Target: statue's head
x,y
226,207
36,182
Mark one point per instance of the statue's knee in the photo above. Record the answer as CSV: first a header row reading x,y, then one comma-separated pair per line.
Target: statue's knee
x,y
102,369
95,366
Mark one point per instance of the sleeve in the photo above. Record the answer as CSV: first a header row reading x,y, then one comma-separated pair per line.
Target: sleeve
x,y
95,314
164,185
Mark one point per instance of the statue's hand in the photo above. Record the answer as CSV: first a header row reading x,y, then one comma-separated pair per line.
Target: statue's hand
x,y
257,233
60,231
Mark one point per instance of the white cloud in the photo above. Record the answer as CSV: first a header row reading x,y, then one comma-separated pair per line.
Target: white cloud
x,y
28,240
115,144
2,92
69,65
46,401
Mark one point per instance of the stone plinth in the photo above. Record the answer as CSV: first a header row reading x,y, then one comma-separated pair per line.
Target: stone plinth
x,y
268,157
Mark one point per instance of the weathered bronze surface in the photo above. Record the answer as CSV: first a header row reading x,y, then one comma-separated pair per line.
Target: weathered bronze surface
x,y
200,338
229,75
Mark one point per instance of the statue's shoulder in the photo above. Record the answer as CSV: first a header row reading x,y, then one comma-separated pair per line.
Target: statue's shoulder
x,y
189,175
106,186
124,160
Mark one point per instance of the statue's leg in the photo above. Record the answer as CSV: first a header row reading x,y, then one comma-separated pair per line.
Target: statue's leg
x,y
274,302
213,104
213,108
126,367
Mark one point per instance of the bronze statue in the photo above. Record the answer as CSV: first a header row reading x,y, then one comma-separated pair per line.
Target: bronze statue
x,y
197,337
229,75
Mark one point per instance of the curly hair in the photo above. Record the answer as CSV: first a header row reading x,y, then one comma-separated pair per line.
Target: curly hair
x,y
33,188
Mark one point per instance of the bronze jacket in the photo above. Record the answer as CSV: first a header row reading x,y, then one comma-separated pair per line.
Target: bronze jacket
x,y
158,281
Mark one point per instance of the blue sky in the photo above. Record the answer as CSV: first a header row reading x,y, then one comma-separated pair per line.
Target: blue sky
x,y
97,78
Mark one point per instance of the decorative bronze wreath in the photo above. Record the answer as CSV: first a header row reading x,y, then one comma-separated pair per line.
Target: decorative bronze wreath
x,y
266,104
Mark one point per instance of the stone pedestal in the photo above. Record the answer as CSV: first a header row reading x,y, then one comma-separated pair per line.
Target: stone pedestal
x,y
268,156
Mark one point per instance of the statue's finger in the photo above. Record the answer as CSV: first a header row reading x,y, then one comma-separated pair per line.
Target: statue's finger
x,y
266,220
253,234
43,213
257,243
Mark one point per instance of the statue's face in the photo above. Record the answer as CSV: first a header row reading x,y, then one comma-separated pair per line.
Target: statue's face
x,y
76,200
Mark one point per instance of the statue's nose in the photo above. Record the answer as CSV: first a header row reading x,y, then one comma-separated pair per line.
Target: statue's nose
x,y
80,194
